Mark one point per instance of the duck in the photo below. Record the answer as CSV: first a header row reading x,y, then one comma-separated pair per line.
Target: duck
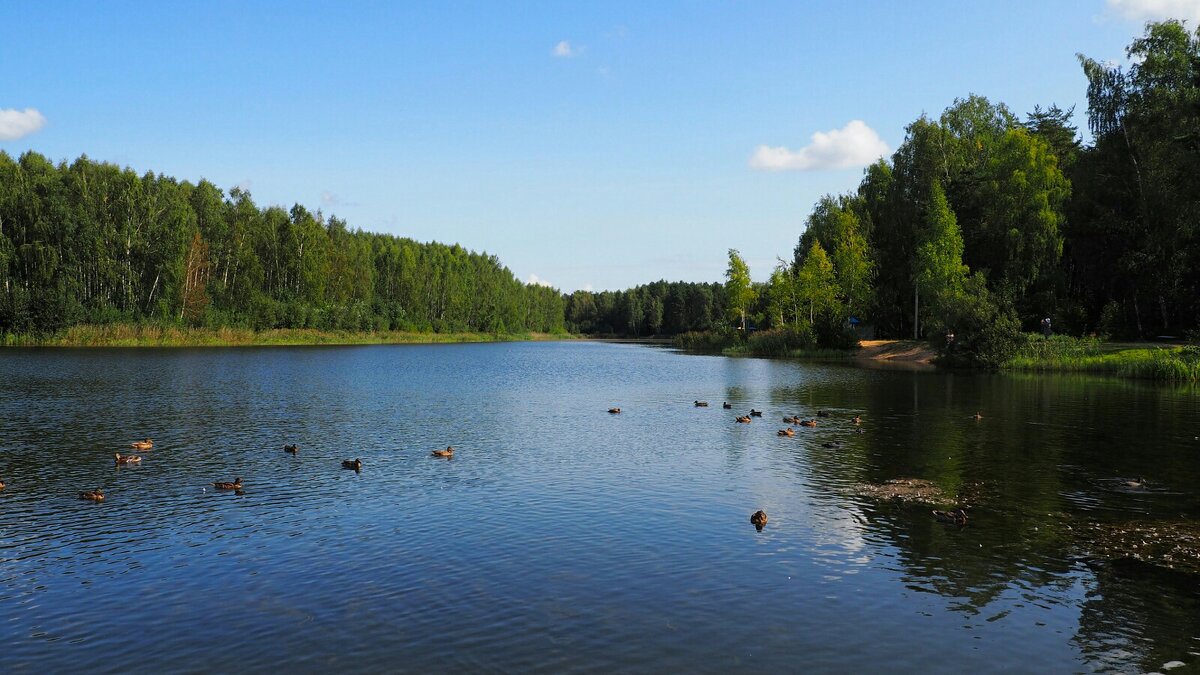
x,y
448,452
1,485
858,419
127,459
831,444
142,445
786,432
1138,482
701,404
808,423
291,449
235,485
355,465
727,405
755,413
977,416
793,419
743,419
96,495
758,519
824,413
957,516
614,411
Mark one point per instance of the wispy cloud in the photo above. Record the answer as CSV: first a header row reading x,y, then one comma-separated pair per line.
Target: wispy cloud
x,y
330,199
535,280
855,144
16,124
565,50
1157,10
588,287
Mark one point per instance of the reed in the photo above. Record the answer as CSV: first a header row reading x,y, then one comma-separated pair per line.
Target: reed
x,y
151,335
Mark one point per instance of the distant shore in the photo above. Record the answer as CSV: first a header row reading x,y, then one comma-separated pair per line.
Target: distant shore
x,y
124,335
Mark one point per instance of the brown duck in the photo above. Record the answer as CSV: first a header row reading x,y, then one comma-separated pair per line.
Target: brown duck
x,y
614,411
808,423
758,519
356,465
786,432
96,495
743,419
235,485
957,516
448,452
142,445
291,449
127,459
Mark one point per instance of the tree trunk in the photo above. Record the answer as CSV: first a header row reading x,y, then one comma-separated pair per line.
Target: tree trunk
x,y
916,312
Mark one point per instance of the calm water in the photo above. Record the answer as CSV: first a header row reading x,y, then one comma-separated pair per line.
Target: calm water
x,y
561,538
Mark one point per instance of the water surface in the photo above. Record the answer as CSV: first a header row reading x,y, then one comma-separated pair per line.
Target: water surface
x,y
562,538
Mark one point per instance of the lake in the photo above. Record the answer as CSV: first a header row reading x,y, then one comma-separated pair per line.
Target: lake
x,y
562,538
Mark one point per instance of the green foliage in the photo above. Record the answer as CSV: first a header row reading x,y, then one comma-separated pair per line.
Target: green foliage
x,y
738,288
986,332
782,342
93,242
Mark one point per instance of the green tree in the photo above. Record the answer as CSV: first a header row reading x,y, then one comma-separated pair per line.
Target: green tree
x,y
738,287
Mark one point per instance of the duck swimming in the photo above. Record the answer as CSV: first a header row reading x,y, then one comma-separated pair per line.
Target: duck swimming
x,y
743,419
96,495
824,413
755,413
727,405
614,411
977,416
142,445
808,423
957,516
701,404
758,519
127,459
786,432
858,419
235,485
355,465
291,449
1138,482
448,452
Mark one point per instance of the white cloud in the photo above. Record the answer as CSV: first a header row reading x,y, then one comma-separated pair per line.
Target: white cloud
x,y
565,50
534,280
16,124
588,287
329,199
855,144
1157,10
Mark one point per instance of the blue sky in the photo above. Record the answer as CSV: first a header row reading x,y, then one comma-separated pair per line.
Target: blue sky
x,y
597,145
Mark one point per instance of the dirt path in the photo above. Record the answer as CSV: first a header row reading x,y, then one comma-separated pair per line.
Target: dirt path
x,y
895,350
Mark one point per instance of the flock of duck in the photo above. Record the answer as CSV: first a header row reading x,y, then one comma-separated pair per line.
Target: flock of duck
x,y
759,518
97,495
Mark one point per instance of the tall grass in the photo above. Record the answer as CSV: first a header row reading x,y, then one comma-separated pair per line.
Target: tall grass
x,y
1089,355
150,335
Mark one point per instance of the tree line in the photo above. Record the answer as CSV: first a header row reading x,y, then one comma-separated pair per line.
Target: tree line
x,y
90,242
982,224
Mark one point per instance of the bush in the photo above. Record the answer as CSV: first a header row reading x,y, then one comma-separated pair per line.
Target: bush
x,y
987,334
707,341
781,342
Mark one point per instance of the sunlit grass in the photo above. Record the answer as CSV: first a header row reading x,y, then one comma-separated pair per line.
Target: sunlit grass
x,y
138,335
1090,355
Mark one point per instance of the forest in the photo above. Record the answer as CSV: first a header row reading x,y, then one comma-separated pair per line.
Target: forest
x,y
93,243
982,224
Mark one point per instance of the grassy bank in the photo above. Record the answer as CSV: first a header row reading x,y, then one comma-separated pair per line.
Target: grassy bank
x,y
1090,355
124,335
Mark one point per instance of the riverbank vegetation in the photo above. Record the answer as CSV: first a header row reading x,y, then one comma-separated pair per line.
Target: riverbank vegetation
x,y
150,335
1091,355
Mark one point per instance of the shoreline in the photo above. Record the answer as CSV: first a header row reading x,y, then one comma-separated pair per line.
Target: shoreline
x,y
124,335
